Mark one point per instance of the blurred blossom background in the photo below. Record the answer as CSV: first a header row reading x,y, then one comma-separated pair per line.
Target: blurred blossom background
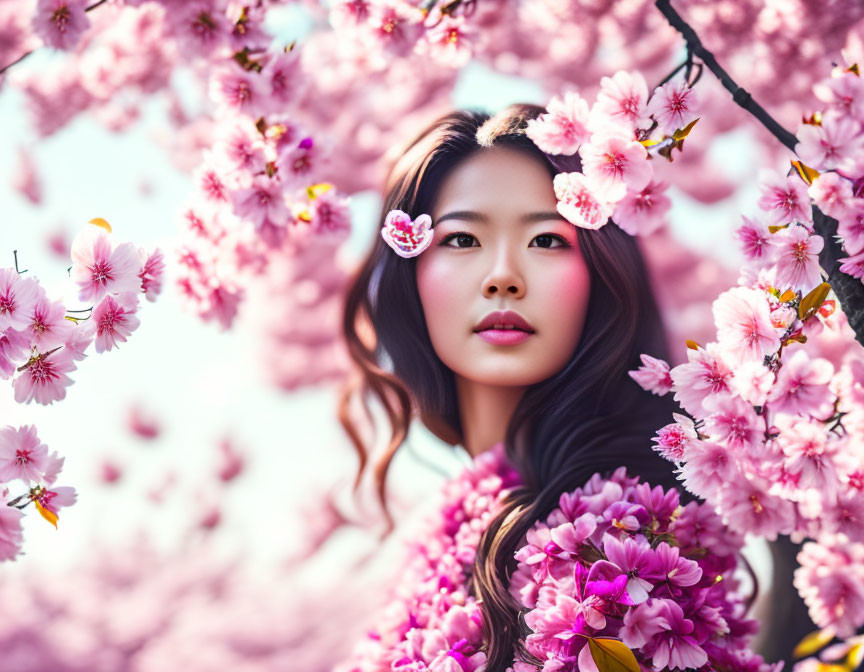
x,y
215,526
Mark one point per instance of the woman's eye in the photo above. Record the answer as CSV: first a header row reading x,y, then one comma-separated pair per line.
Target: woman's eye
x,y
462,240
547,240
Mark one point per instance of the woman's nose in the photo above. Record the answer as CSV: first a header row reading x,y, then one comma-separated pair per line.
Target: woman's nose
x,y
504,279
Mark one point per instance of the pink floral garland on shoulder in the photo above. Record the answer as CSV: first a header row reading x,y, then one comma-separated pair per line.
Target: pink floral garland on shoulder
x,y
668,599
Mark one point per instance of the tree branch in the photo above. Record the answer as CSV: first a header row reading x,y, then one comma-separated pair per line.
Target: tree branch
x,y
739,95
849,290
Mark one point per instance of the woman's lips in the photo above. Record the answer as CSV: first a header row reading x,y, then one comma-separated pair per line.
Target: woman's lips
x,y
504,336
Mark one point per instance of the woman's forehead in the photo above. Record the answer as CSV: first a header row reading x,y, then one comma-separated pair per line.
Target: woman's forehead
x,y
495,180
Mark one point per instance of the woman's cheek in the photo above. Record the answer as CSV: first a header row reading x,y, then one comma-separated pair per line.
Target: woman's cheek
x,y
440,284
565,300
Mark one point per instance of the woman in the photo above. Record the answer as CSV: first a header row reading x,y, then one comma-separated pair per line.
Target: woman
x,y
555,391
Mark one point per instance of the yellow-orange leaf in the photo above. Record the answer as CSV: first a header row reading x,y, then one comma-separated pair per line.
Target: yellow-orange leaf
x,y
855,657
649,142
774,228
305,216
814,119
98,221
682,133
50,516
612,655
830,667
787,296
806,173
693,345
812,642
317,189
854,68
813,301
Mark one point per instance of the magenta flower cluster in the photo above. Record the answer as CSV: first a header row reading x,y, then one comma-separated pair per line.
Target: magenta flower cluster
x,y
618,559
615,559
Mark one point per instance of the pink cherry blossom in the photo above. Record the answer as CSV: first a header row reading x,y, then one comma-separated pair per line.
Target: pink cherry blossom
x,y
832,193
850,227
283,75
744,329
199,27
451,40
564,128
802,386
829,145
616,164
622,101
297,163
58,497
706,373
755,240
60,23
151,274
53,466
785,199
14,349
641,213
578,203
733,422
22,455
845,93
44,379
673,439
262,204
113,320
797,258
752,382
235,89
674,647
653,375
330,214
673,105
17,298
831,581
747,504
47,325
808,454
11,534
707,467
395,26
100,266
853,265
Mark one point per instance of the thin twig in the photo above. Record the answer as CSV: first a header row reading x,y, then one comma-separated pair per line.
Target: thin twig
x,y
15,254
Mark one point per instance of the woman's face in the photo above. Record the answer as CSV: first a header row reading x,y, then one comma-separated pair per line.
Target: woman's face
x,y
500,245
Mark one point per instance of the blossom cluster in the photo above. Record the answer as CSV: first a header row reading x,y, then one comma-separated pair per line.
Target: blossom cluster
x,y
616,558
40,343
773,433
831,147
613,139
620,561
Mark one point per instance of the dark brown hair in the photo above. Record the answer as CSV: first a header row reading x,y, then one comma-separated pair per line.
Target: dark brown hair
x,y
589,417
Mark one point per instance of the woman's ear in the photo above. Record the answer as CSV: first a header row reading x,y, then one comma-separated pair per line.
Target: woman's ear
x,y
440,428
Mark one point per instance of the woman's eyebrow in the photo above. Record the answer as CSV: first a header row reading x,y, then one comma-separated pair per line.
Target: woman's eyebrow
x,y
474,216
